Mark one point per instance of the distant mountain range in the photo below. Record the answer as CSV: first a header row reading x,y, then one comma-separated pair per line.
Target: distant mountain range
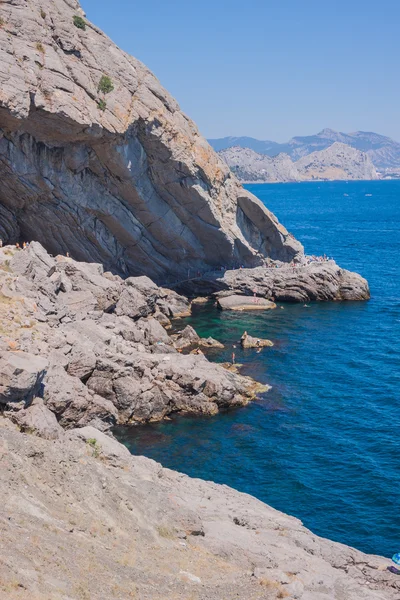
x,y
338,161
383,151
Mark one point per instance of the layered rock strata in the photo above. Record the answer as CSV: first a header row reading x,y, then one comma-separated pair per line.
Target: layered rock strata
x,y
96,158
300,282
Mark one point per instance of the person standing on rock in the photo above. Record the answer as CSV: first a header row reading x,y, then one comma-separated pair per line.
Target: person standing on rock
x,y
233,358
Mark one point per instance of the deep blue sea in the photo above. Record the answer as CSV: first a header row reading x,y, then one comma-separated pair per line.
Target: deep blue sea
x,y
323,443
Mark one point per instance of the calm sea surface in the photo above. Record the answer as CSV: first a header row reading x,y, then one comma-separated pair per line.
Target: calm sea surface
x,y
323,444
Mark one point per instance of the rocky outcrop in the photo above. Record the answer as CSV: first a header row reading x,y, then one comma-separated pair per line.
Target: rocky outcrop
x,y
82,518
338,161
188,337
94,347
248,341
241,302
310,280
97,160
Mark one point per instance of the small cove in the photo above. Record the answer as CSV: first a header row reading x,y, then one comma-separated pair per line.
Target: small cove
x,y
322,443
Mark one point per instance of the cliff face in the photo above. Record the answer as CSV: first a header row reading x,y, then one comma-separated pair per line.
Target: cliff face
x,y
339,161
97,159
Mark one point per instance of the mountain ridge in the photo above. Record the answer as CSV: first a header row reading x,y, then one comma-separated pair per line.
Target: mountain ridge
x,y
382,150
337,162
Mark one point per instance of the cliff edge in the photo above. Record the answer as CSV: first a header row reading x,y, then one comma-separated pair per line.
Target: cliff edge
x,y
96,158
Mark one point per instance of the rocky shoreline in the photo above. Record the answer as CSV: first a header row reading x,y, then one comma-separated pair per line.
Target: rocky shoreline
x,y
82,350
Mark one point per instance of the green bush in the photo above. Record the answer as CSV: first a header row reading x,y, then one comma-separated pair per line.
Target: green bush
x,y
42,13
102,105
79,22
2,22
39,47
105,85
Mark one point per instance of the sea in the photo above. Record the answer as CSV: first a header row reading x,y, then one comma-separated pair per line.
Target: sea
x,y
324,443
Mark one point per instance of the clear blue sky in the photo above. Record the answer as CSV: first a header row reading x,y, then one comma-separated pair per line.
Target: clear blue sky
x,y
268,69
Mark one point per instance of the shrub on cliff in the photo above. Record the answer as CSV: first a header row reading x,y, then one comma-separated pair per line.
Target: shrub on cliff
x,y
79,22
105,85
102,105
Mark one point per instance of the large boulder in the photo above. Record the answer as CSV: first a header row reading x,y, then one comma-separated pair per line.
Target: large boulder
x,y
37,419
21,377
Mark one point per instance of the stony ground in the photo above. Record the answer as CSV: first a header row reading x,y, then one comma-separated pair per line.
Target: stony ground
x,y
83,519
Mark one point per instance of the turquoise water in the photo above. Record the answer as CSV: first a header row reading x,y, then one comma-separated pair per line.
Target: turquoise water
x,y
323,443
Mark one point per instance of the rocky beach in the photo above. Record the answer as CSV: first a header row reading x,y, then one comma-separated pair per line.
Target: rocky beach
x,y
114,214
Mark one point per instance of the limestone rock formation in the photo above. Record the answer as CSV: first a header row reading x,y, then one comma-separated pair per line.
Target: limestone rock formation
x,y
242,302
338,161
82,518
104,356
299,282
97,160
248,341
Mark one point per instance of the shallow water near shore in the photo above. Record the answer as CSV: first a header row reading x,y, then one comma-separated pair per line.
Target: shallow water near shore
x,y
322,444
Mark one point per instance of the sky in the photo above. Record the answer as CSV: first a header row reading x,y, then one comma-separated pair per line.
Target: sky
x,y
267,69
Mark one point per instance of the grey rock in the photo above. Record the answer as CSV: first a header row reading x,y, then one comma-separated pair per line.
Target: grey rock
x,y
69,399
37,419
248,341
21,376
299,282
132,303
186,337
236,302
135,186
90,502
81,361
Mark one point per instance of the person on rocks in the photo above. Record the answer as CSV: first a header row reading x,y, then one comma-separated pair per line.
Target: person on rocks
x,y
233,358
1,243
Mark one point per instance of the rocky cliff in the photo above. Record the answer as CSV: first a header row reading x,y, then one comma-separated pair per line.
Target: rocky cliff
x,y
97,160
339,161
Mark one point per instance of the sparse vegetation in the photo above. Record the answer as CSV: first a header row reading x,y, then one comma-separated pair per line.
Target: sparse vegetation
x,y
102,105
105,85
165,532
42,13
79,22
40,47
2,22
96,448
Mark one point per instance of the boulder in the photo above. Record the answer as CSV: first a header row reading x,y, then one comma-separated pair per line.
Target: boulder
x,y
21,377
210,343
248,341
37,419
134,304
236,302
81,361
74,404
186,337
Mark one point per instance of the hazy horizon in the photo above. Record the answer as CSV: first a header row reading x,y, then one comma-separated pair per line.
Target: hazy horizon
x,y
267,70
